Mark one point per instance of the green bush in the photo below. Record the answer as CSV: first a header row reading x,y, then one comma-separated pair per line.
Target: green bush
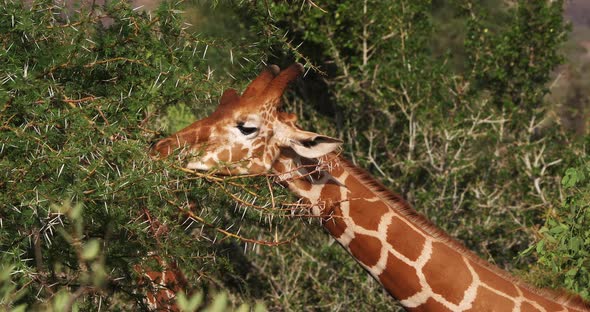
x,y
82,202
563,248
461,141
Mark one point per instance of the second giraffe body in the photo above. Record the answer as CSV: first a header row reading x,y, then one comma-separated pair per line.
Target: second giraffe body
x,y
416,263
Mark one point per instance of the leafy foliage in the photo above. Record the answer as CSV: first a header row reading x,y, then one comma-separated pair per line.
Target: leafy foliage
x,y
513,62
83,203
566,235
465,143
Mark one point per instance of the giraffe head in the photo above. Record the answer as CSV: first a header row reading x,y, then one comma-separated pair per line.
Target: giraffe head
x,y
246,133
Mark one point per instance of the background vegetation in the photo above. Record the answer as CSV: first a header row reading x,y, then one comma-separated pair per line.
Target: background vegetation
x,y
446,102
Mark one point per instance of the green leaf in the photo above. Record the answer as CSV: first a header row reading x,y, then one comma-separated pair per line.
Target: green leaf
x,y
528,250
243,308
575,243
572,272
91,249
219,303
540,246
189,304
76,211
61,300
572,177
5,272
19,308
260,307
558,229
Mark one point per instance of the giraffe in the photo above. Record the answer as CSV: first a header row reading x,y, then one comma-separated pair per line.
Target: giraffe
x,y
158,278
161,284
417,263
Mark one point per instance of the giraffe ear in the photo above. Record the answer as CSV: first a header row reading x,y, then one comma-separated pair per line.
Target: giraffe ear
x,y
228,96
313,145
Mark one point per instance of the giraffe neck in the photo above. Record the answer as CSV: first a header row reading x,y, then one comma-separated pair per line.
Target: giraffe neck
x,y
416,263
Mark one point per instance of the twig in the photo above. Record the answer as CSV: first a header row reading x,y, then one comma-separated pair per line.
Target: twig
x,y
230,234
114,60
316,6
272,197
85,99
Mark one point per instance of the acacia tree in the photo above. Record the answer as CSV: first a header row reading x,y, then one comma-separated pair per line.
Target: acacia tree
x,y
82,202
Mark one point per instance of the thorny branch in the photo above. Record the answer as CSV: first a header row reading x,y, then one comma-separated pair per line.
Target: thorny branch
x,y
229,234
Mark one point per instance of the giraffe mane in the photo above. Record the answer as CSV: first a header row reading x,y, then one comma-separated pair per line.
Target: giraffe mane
x,y
396,202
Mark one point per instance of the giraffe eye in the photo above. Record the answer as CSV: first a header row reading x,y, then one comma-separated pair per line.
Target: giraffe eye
x,y
246,130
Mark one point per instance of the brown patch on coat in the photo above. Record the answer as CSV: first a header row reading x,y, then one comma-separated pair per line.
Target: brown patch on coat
x,y
335,224
446,265
400,278
367,214
366,249
255,167
405,239
238,152
330,195
224,156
